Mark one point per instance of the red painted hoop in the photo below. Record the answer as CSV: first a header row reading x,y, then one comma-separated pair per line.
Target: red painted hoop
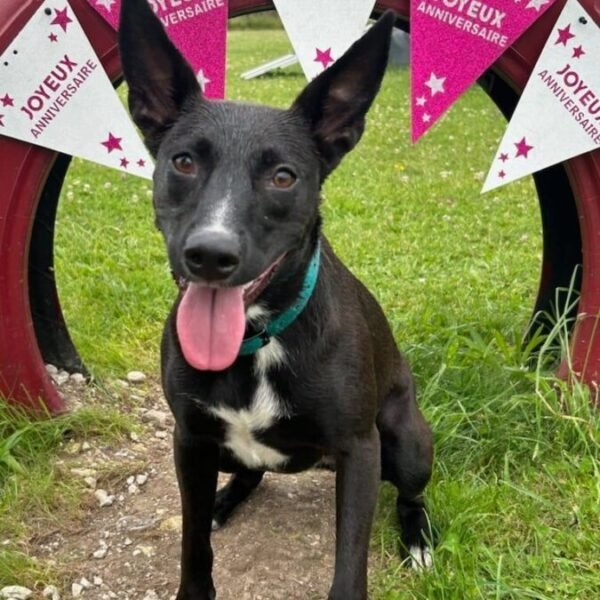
x,y
32,330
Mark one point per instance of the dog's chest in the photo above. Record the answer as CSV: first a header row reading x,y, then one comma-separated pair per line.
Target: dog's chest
x,y
243,426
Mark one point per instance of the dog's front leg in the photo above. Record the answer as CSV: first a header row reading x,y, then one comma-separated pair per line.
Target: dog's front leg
x,y
357,483
197,464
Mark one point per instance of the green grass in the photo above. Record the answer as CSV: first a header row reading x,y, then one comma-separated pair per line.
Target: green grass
x,y
35,494
516,490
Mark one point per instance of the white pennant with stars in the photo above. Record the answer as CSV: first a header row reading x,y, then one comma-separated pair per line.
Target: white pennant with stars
x,y
55,93
558,115
321,32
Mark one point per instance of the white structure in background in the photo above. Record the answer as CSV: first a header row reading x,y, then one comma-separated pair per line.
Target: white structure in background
x,y
398,57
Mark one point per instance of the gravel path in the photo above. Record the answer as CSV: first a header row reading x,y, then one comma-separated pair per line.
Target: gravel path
x,y
279,545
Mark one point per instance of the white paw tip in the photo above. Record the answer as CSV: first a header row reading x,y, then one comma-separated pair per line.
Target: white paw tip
x,y
420,558
215,525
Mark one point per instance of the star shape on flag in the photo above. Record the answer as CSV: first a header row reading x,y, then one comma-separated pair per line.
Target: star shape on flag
x,y
53,37
537,4
421,101
502,174
107,4
435,84
61,19
426,118
578,51
202,79
523,148
564,35
7,100
112,143
124,162
141,162
324,57
503,156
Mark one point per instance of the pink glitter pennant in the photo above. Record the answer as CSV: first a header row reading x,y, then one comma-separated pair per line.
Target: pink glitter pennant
x,y
453,42
199,30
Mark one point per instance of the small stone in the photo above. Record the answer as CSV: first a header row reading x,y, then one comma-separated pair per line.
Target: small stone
x,y
161,435
104,498
91,482
136,377
101,552
15,592
147,551
127,542
130,480
76,590
171,524
157,417
85,583
134,437
77,378
51,592
73,448
85,447
84,472
97,580
133,489
150,595
51,369
60,378
141,478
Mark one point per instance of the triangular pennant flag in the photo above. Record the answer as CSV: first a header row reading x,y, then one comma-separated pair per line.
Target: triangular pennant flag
x,y
197,27
452,43
321,32
55,93
558,115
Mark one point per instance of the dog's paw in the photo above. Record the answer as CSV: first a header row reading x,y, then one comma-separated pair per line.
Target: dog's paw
x,y
421,557
215,525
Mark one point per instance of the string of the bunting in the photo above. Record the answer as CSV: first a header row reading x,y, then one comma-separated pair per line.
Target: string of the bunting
x,y
51,80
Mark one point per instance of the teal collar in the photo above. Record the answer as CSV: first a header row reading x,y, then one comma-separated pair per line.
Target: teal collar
x,y
282,321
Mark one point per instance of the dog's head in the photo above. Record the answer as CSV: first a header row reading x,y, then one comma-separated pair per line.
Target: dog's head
x,y
236,186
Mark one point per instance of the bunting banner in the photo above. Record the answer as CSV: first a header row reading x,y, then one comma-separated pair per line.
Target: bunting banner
x,y
558,115
55,93
197,27
453,42
321,32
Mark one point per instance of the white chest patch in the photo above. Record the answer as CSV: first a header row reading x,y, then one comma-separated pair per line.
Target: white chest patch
x,y
242,425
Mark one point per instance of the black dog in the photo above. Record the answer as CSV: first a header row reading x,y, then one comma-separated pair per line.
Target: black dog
x,y
274,355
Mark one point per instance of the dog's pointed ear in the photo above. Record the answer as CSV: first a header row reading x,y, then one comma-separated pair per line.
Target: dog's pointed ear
x,y
336,102
159,78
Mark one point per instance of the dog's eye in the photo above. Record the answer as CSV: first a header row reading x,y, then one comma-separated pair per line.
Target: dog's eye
x,y
283,179
185,164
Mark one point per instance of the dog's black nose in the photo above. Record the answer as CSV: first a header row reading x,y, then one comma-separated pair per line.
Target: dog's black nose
x,y
212,255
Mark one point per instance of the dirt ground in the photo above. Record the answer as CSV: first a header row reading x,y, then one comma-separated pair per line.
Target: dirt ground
x,y
279,545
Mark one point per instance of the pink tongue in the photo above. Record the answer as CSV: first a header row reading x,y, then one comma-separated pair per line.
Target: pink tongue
x,y
210,326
